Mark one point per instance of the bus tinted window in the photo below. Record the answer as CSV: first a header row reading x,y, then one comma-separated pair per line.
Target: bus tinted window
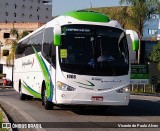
x,y
49,51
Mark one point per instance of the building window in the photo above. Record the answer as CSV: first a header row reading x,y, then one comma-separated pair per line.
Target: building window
x,y
6,35
15,6
38,8
30,16
38,17
47,9
6,4
15,15
39,1
23,6
6,21
5,52
31,7
22,15
6,13
152,31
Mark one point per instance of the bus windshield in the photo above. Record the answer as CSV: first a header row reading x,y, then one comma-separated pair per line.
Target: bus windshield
x,y
94,50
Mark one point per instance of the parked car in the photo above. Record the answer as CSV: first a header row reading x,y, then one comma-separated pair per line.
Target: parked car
x,y
7,82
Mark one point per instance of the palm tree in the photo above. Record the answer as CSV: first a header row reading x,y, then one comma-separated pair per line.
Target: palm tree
x,y
141,11
14,43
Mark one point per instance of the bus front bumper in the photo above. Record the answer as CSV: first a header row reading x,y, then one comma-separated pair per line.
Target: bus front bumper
x,y
119,99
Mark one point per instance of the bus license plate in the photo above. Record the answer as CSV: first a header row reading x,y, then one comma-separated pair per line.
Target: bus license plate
x,y
97,98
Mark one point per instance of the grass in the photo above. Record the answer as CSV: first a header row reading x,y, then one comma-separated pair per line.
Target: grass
x,y
1,120
1,116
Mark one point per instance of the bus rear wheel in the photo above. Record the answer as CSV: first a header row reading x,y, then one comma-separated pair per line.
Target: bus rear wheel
x,y
21,95
47,104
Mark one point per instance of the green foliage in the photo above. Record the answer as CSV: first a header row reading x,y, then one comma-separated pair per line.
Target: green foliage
x,y
1,120
14,31
155,54
132,16
1,116
25,33
121,14
141,11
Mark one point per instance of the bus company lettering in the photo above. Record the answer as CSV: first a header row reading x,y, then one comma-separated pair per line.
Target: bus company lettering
x,y
100,79
29,62
113,81
71,76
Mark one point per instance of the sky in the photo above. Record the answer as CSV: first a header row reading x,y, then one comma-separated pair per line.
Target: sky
x,y
62,6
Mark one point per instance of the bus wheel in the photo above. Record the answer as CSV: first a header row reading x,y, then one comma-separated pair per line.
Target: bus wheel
x,y
21,95
29,97
47,104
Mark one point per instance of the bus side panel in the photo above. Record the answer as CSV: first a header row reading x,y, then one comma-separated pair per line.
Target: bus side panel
x,y
28,72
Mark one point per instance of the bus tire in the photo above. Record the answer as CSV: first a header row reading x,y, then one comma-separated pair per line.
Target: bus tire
x,y
21,95
29,97
47,104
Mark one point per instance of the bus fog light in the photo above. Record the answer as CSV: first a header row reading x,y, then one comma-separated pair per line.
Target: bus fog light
x,y
64,87
125,89
63,95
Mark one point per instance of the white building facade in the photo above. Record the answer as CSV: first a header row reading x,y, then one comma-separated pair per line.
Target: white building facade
x,y
25,11
151,35
152,28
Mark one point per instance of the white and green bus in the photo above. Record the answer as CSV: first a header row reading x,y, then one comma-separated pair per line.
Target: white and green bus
x,y
80,58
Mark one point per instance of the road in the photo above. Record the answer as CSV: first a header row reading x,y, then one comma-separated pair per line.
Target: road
x,y
140,109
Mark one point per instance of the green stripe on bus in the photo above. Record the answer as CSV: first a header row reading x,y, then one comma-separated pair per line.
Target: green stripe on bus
x,y
88,16
45,73
35,94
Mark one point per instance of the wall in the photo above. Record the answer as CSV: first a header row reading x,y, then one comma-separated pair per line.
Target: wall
x,y
25,11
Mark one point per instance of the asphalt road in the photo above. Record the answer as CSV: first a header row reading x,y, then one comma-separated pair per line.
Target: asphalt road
x,y
140,109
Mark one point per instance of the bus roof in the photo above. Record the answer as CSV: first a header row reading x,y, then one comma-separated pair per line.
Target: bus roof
x,y
88,16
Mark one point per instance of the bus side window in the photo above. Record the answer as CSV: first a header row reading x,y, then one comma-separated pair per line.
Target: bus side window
x,y
49,50
21,47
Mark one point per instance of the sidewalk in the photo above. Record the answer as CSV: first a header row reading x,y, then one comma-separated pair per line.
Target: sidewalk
x,y
3,87
146,94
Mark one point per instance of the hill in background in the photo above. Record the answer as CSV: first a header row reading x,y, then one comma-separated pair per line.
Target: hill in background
x,y
119,13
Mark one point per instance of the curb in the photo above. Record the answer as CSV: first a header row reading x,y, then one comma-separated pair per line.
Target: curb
x,y
1,86
143,94
5,119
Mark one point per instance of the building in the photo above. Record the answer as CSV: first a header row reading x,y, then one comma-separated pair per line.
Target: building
x,y
151,35
25,11
152,28
23,15
6,42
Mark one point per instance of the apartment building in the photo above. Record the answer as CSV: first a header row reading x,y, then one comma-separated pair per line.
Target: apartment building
x,y
25,11
23,15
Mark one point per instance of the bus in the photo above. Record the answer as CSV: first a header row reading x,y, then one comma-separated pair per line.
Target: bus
x,y
79,58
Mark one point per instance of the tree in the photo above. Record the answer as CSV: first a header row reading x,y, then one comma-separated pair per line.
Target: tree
x,y
155,54
141,11
14,43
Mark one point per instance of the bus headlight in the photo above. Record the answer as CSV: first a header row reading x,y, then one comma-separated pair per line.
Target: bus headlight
x,y
64,87
125,89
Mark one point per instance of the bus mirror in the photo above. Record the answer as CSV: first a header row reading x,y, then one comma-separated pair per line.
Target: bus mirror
x,y
135,40
57,35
